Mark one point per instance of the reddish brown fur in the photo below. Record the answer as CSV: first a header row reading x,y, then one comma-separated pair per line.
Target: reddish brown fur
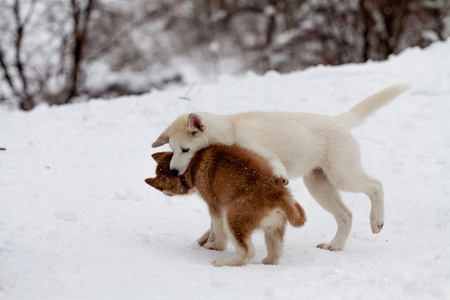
x,y
238,183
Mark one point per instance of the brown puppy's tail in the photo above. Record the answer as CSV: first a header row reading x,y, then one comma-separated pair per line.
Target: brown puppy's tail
x,y
294,212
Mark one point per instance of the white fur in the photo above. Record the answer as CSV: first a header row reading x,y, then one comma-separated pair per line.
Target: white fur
x,y
216,238
274,243
320,148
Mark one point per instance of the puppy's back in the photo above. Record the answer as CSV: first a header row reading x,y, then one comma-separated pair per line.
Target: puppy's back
x,y
232,170
235,159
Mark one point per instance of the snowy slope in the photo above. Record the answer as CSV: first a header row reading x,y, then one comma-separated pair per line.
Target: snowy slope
x,y
77,220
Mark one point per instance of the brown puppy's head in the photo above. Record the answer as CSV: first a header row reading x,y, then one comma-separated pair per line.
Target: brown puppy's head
x,y
164,181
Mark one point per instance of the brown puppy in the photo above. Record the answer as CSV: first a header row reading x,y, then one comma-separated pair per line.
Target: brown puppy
x,y
242,196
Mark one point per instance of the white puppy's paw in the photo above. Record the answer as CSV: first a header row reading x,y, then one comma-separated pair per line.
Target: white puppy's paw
x,y
282,180
376,225
281,176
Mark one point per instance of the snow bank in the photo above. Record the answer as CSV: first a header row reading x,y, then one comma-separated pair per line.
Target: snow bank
x,y
77,220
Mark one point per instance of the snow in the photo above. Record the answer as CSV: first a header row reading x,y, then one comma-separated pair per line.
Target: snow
x,y
77,220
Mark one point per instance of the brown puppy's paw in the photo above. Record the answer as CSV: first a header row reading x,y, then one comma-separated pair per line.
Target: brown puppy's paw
x,y
204,238
330,247
215,246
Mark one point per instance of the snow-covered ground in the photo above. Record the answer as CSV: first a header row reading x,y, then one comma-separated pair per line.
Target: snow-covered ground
x,y
77,220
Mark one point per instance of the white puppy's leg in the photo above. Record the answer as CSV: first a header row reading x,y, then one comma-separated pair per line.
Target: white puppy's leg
x,y
359,182
348,175
346,172
218,236
374,190
328,197
278,168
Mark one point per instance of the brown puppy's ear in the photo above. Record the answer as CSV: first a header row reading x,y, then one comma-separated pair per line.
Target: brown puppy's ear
x,y
195,123
161,140
159,156
154,182
149,181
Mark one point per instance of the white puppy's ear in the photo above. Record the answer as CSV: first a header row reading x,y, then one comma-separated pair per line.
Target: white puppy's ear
x,y
161,140
195,123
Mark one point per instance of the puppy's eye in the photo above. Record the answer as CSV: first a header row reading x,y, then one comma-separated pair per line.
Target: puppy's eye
x,y
185,150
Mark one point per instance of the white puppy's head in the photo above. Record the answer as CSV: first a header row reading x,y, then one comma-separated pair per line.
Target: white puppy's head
x,y
185,137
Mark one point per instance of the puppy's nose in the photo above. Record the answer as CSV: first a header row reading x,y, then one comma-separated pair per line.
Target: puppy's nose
x,y
174,172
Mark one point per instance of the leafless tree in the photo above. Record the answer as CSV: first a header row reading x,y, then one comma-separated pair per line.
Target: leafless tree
x,y
142,38
21,88
81,14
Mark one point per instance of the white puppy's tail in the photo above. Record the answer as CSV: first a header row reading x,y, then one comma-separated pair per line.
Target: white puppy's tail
x,y
364,109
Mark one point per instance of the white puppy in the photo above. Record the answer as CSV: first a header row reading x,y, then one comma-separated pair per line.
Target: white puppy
x,y
320,148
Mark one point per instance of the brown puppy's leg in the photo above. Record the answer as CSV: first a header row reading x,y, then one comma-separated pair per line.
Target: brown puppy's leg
x,y
217,239
274,242
238,227
207,236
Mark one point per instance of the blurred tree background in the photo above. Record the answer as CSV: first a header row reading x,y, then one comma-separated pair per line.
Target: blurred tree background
x,y
61,51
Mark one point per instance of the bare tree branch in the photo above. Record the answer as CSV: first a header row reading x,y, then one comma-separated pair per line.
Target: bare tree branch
x,y
6,73
26,102
81,19
30,12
